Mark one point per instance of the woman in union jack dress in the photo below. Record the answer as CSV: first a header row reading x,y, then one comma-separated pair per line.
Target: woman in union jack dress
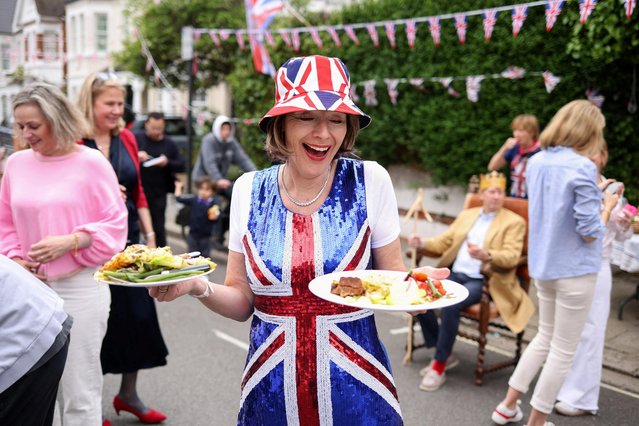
x,y
310,362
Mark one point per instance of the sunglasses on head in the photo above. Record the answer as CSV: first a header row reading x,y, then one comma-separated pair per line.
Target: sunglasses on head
x,y
105,76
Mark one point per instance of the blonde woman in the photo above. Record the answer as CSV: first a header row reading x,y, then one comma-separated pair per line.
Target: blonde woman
x,y
61,216
564,254
133,340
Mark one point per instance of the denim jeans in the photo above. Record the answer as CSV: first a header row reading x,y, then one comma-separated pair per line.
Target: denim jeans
x,y
443,335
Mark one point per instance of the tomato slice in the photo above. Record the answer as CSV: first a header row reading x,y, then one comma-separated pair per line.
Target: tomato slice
x,y
420,276
439,286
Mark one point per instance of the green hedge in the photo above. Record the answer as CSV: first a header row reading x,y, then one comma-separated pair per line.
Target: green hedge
x,y
453,138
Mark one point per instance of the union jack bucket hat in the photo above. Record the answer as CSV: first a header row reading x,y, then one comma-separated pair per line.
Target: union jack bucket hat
x,y
313,83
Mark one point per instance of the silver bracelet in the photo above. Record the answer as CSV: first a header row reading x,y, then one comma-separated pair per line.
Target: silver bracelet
x,y
207,292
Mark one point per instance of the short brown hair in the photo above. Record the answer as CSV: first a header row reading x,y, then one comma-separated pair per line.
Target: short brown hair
x,y
275,144
527,122
206,181
93,86
579,125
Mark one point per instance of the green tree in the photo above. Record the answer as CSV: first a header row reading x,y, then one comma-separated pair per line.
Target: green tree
x,y
161,25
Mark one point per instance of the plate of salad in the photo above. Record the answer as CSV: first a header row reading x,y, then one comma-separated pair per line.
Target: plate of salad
x,y
388,290
141,266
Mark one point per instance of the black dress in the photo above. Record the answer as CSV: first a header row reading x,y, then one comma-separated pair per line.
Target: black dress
x,y
133,340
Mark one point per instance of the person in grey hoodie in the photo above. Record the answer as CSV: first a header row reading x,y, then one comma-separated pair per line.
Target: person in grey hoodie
x,y
218,151
34,339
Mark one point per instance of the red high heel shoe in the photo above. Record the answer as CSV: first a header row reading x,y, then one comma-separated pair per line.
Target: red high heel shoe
x,y
151,417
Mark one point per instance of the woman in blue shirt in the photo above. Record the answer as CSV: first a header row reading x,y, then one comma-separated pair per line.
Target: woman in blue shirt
x,y
564,254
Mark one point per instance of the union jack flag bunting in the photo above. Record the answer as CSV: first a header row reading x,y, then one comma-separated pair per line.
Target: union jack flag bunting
x,y
353,93
370,95
350,32
629,5
490,19
316,38
225,34
460,26
411,32
585,9
435,29
296,40
259,14
149,64
215,38
333,33
553,9
473,85
417,82
513,73
269,38
285,37
519,16
240,40
372,31
550,80
390,32
391,87
595,97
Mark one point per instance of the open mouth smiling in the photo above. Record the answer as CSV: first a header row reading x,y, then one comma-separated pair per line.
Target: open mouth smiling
x,y
315,151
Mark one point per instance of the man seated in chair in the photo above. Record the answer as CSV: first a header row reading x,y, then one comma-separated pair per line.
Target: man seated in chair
x,y
483,237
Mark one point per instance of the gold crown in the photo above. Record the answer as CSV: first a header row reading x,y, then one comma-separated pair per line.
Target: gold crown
x,y
492,180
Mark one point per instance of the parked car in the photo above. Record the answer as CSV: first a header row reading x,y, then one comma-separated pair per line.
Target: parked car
x,y
175,128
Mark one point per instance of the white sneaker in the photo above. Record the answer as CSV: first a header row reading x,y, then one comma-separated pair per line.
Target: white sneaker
x,y
502,415
432,381
566,409
451,363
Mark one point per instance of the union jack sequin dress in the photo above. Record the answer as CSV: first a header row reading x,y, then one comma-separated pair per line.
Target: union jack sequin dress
x,y
311,362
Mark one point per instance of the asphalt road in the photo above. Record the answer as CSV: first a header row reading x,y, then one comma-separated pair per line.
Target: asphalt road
x,y
201,383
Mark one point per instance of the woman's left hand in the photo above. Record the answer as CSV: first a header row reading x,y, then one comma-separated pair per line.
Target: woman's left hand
x,y
51,248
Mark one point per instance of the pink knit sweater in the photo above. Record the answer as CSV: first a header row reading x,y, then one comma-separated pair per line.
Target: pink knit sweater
x,y
44,196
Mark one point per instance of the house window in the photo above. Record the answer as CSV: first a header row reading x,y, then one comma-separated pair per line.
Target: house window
x,y
5,59
50,45
101,35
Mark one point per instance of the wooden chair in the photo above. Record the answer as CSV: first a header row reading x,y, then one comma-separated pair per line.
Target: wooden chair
x,y
484,314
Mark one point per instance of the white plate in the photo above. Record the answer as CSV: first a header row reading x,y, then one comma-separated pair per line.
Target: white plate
x,y
321,287
117,281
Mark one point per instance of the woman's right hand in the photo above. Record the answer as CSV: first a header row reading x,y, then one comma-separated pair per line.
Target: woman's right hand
x,y
30,266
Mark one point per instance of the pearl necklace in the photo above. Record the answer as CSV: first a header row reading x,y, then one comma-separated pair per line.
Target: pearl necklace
x,y
312,200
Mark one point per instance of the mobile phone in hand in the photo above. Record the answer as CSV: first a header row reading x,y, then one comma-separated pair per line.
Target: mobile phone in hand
x,y
612,188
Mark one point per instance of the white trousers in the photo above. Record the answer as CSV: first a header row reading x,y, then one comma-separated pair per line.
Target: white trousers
x,y
563,307
581,387
79,401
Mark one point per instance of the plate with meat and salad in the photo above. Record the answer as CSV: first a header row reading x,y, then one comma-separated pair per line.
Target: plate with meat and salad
x,y
388,290
141,266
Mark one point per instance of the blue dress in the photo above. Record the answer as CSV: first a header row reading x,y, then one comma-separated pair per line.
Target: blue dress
x,y
312,362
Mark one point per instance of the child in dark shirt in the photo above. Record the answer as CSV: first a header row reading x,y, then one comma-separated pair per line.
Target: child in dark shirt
x,y
204,215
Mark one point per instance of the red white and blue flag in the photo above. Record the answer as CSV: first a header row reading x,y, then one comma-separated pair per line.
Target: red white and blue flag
x,y
435,29
461,26
333,33
629,5
296,40
285,37
519,17
259,14
372,31
513,73
350,32
473,85
316,38
595,97
411,32
490,19
370,94
585,9
215,38
390,32
553,9
391,87
550,80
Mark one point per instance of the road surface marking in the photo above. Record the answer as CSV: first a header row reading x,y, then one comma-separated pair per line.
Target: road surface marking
x,y
240,344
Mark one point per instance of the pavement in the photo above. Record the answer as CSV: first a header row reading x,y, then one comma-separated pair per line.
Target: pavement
x,y
621,352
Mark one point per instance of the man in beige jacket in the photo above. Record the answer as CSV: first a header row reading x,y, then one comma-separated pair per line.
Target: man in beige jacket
x,y
488,234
